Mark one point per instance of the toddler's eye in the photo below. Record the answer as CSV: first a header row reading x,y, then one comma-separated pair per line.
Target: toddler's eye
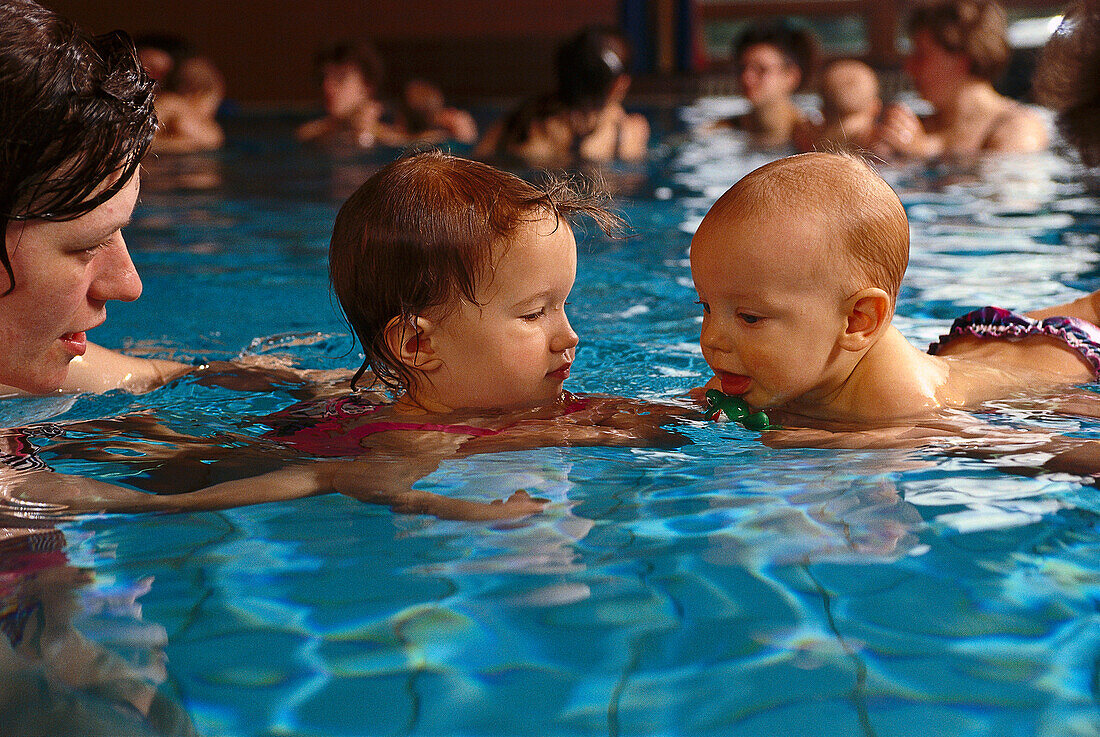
x,y
530,317
706,307
747,318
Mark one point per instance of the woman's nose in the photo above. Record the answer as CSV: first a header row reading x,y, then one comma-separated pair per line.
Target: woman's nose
x,y
116,278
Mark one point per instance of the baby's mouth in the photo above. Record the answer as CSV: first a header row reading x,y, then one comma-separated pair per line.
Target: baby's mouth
x,y
734,384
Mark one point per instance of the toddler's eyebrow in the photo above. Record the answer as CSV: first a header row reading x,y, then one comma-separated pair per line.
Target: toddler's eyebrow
x,y
537,297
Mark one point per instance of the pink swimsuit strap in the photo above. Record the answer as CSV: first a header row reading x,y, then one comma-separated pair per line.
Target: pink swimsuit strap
x,y
331,436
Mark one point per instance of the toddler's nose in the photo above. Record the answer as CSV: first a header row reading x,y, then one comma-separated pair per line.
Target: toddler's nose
x,y
566,339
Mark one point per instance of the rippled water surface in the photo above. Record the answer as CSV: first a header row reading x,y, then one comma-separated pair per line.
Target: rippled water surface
x,y
720,588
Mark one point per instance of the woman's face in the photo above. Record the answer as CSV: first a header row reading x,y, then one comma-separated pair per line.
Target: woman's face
x,y
936,72
766,75
65,272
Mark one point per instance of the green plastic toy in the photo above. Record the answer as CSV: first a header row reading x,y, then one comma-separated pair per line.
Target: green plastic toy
x,y
737,409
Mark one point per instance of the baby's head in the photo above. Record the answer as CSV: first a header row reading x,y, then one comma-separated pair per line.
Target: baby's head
x,y
454,276
849,87
798,267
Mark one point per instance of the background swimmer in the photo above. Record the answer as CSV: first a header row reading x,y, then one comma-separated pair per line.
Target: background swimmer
x,y
351,79
584,119
187,108
423,116
960,48
772,62
850,108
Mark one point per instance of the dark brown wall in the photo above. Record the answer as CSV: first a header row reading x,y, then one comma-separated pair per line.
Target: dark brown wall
x,y
265,47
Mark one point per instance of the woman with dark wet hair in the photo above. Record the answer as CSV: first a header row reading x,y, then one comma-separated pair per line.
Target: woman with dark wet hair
x,y
77,118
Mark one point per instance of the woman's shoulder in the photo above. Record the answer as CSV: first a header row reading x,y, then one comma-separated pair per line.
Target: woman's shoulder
x,y
1018,128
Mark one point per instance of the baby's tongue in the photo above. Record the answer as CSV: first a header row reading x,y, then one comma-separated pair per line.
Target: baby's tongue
x,y
734,384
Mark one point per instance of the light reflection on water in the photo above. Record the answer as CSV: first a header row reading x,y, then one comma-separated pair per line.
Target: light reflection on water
x,y
719,588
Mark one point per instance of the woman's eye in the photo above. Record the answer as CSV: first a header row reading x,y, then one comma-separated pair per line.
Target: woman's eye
x,y
747,318
534,315
706,307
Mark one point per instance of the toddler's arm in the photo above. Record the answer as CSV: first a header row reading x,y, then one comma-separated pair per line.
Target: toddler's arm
x,y
604,421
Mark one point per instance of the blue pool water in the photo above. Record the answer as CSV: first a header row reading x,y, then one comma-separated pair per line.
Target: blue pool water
x,y
722,588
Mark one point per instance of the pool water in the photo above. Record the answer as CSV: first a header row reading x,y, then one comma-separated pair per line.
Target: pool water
x,y
719,588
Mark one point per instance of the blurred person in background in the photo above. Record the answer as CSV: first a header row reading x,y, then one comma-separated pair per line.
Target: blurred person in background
x,y
351,79
584,119
959,48
772,62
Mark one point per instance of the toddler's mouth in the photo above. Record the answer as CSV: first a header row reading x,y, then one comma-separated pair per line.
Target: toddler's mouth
x,y
562,372
734,384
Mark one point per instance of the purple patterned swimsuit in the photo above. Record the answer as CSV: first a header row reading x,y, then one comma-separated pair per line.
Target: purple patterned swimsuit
x,y
994,322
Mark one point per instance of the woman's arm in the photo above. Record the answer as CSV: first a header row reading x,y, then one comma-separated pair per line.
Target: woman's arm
x,y
100,370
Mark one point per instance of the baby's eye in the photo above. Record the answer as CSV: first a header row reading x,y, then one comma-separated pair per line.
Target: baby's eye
x,y
747,318
706,306
532,316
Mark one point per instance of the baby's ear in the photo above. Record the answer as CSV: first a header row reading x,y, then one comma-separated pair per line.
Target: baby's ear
x,y
410,339
869,312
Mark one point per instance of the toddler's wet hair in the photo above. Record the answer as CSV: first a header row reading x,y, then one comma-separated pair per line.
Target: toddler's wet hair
x,y
423,231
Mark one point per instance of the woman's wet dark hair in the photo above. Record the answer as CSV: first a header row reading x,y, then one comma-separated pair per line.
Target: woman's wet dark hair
x,y
75,111
797,45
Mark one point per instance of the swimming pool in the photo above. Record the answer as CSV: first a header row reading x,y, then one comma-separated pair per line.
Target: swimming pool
x,y
719,588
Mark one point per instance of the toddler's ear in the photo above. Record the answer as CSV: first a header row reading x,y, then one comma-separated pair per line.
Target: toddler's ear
x,y
869,312
410,339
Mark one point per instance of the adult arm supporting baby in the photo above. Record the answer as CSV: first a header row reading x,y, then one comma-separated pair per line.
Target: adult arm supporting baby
x,y
44,494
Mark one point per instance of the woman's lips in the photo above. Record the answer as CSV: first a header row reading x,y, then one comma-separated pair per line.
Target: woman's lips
x,y
76,343
734,383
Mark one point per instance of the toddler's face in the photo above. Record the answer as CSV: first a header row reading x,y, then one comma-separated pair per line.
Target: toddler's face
x,y
771,315
516,347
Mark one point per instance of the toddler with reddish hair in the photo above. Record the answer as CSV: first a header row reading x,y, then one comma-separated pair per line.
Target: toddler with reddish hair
x,y
454,277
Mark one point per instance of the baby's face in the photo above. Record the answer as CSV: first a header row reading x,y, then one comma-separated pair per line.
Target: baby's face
x,y
515,348
772,311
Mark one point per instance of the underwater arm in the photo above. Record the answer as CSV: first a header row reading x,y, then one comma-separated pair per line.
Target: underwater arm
x,y
390,482
603,421
43,493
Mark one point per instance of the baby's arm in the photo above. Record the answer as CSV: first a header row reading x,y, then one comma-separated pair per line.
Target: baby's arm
x,y
45,493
